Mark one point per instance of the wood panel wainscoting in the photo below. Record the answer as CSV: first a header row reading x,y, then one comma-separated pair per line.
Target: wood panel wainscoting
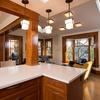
x,y
97,72
79,36
31,39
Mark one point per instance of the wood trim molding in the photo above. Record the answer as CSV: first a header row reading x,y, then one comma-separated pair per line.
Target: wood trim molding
x,y
95,72
78,36
15,9
10,26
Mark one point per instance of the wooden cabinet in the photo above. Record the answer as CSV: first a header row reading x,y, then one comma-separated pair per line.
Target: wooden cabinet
x,y
54,90
53,94
44,88
25,91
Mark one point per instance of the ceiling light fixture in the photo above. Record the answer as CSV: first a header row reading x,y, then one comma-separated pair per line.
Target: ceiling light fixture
x,y
61,28
44,1
48,28
69,22
50,21
25,23
78,24
68,13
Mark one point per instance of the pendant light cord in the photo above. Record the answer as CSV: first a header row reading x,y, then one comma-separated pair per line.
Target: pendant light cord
x,y
48,18
69,9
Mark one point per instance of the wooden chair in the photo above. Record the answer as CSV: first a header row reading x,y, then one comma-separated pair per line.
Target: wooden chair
x,y
87,66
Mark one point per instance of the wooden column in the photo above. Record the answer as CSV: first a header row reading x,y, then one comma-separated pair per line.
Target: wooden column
x,y
32,44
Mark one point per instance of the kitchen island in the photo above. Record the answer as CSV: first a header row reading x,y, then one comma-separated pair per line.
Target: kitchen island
x,y
41,82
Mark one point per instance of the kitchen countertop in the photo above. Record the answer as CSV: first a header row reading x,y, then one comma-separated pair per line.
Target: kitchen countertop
x,y
17,74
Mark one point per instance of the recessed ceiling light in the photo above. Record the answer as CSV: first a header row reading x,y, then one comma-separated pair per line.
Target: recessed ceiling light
x,y
69,13
44,1
51,21
78,25
61,28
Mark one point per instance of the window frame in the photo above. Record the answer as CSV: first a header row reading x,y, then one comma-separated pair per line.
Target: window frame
x,y
79,36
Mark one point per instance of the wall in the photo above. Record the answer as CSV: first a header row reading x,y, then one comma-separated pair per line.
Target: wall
x,y
57,46
57,43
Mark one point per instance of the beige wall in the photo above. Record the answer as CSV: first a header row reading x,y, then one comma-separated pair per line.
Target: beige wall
x,y
57,46
57,43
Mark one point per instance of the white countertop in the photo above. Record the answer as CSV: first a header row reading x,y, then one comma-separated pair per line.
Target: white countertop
x,y
13,75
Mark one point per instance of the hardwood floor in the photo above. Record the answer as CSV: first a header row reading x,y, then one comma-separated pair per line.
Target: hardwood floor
x,y
92,88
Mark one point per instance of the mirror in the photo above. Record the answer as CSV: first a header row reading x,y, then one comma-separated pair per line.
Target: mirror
x,y
13,39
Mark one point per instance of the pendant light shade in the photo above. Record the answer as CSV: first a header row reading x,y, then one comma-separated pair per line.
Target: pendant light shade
x,y
69,23
25,24
48,29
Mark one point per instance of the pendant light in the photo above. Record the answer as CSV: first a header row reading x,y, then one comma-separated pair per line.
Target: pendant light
x,y
25,23
48,28
69,22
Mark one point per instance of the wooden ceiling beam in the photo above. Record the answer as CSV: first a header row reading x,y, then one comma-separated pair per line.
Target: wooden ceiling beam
x,y
15,9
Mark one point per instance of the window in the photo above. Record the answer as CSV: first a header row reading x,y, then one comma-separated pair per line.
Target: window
x,y
48,47
45,47
81,49
40,47
69,50
82,46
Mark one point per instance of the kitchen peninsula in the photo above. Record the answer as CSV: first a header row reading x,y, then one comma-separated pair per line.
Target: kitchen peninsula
x,y
41,82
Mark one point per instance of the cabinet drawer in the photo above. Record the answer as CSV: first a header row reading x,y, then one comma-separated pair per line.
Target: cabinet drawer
x,y
54,84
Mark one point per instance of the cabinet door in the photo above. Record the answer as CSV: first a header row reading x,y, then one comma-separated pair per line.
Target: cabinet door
x,y
12,97
33,96
52,94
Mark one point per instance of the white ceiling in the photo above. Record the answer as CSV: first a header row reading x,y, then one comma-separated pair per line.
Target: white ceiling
x,y
57,6
87,14
6,19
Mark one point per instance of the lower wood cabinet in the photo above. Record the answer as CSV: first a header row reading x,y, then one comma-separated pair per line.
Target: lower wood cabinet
x,y
44,88
52,94
54,90
25,91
